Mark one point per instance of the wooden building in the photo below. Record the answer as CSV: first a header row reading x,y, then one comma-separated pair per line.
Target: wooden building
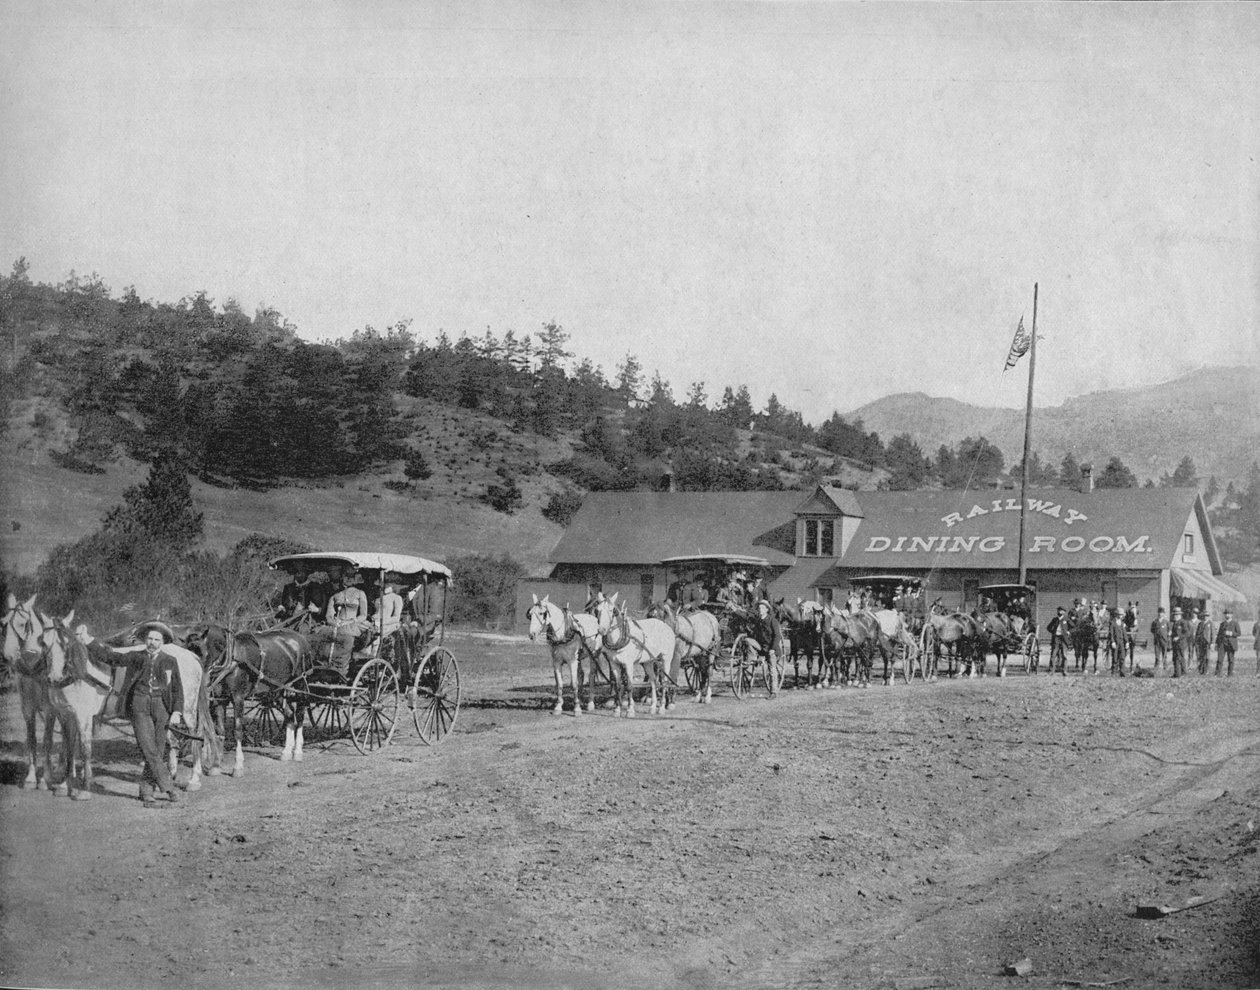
x,y
1151,546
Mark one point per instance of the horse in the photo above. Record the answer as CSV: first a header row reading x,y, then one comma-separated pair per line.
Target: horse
x,y
955,631
76,693
803,624
859,633
1130,622
570,637
24,654
894,636
627,641
998,632
246,664
698,638
1084,633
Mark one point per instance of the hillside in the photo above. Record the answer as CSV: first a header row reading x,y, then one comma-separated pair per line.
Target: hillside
x,y
1212,415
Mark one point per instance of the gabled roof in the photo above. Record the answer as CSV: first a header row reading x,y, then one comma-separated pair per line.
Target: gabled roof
x,y
828,500
647,527
1131,528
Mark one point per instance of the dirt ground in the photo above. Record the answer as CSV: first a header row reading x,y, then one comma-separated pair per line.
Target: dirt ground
x,y
906,837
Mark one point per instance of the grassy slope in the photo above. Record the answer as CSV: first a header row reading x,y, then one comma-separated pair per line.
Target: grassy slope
x,y
439,518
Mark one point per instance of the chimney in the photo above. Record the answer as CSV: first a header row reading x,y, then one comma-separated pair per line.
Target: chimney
x,y
1087,477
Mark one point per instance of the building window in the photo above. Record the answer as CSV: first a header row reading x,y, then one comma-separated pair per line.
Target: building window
x,y
820,538
1189,544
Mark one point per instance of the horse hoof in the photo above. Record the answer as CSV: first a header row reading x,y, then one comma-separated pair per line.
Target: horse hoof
x,y
213,772
193,785
63,790
81,796
238,772
286,757
557,710
297,757
609,705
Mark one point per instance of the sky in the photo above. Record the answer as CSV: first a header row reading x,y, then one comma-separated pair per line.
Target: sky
x,y
830,202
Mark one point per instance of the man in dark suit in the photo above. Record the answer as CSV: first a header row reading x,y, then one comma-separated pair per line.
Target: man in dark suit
x,y
1182,644
152,692
1227,642
1204,634
1161,637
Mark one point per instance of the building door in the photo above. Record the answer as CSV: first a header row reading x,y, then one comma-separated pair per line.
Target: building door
x,y
647,586
971,593
1110,595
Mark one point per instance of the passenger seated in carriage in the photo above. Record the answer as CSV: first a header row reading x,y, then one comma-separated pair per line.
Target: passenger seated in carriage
x,y
347,622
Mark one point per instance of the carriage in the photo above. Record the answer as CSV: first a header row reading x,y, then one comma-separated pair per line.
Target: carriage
x,y
727,585
397,659
1016,601
904,594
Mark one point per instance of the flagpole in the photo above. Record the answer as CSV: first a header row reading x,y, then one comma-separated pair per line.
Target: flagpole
x,y
1023,481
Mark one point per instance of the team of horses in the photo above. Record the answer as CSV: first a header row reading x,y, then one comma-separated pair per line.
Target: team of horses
x,y
825,645
59,685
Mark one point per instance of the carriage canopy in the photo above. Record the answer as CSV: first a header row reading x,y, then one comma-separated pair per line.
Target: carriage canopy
x,y
405,567
715,560
886,581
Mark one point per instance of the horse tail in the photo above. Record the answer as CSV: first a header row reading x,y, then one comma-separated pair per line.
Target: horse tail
x,y
211,745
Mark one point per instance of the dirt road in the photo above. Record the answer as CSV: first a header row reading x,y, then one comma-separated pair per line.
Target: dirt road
x,y
894,838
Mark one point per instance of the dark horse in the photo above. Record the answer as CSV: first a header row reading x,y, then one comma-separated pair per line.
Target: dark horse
x,y
803,625
245,664
857,636
1084,633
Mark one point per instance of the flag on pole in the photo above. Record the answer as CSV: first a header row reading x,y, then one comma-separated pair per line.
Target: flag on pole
x,y
1019,346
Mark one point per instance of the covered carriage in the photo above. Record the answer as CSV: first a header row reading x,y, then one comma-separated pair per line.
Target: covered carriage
x,y
1016,604
728,586
366,668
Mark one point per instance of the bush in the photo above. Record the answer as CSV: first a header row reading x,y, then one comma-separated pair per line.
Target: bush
x,y
562,507
505,497
415,467
484,591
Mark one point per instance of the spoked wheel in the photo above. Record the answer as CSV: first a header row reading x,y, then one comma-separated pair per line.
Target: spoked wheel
x,y
907,662
1032,654
434,695
690,676
326,694
264,719
373,706
743,668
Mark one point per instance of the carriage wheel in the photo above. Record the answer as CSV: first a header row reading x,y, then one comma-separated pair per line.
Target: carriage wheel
x,y
373,706
743,668
690,677
434,695
325,706
907,663
264,719
1032,653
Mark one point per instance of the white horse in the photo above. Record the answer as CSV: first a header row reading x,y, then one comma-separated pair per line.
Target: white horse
x,y
26,658
698,638
570,636
77,695
627,641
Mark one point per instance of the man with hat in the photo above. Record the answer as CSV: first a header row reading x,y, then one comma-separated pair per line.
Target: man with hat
x,y
152,695
1161,636
1227,642
1058,630
1179,633
1204,635
765,631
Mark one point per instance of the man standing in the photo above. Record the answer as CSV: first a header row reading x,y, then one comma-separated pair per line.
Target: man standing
x,y
1204,634
1115,644
153,696
1161,637
766,632
1179,632
1057,628
1227,642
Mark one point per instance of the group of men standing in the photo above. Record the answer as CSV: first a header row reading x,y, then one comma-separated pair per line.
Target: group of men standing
x,y
1190,636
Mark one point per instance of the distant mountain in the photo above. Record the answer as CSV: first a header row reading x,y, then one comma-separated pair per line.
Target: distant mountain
x,y
1212,414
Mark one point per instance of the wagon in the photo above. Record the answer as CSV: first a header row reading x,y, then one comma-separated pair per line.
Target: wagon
x,y
883,590
1016,600
713,574
398,659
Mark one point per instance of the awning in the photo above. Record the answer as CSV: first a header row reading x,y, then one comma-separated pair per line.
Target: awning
x,y
1200,584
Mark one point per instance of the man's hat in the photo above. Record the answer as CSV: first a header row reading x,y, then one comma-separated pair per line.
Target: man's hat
x,y
1176,611
1162,609
764,604
1062,609
1229,611
145,628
